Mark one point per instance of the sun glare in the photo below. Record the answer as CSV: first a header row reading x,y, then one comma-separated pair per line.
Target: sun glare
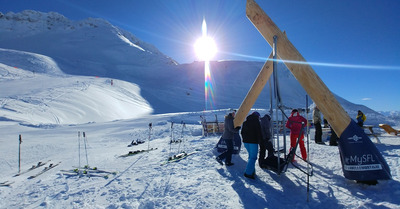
x,y
205,48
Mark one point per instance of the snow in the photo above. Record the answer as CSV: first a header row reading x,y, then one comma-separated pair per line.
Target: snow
x,y
51,93
195,182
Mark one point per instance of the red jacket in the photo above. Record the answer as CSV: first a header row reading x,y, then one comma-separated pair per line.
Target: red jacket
x,y
294,123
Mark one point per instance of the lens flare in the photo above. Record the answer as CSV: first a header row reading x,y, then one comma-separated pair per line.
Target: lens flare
x,y
323,64
205,48
208,87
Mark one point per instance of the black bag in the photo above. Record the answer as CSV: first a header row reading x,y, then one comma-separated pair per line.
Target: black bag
x,y
271,163
237,143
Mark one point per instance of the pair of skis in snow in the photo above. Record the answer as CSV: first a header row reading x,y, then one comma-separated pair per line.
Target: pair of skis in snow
x,y
178,157
39,164
131,153
88,171
51,166
6,183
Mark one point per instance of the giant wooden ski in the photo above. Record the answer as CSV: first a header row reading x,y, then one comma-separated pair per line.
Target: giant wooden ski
x,y
254,92
360,159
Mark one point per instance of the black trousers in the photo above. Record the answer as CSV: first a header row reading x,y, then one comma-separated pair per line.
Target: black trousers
x,y
318,132
265,145
227,155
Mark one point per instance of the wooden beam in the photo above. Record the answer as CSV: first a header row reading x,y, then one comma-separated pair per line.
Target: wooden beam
x,y
303,72
254,91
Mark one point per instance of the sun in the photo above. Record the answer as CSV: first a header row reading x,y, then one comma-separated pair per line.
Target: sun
x,y
205,48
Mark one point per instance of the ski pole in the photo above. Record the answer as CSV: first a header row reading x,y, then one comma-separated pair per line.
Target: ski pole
x,y
19,153
79,148
150,127
181,139
170,142
85,142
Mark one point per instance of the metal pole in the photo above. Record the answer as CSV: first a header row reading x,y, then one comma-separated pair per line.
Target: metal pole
x,y
308,151
275,75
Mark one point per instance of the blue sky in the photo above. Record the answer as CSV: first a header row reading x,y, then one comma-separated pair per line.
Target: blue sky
x,y
354,46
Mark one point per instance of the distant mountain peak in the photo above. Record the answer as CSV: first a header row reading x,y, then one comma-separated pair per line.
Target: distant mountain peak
x,y
32,25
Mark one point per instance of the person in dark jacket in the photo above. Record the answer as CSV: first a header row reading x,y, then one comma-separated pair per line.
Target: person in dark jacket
x,y
294,123
317,124
265,143
228,136
251,134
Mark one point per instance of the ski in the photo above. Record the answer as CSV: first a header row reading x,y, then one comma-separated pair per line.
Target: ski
x,y
39,164
177,157
44,170
6,183
95,170
130,153
81,173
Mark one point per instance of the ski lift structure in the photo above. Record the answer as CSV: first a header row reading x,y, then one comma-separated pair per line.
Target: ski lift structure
x,y
277,111
353,141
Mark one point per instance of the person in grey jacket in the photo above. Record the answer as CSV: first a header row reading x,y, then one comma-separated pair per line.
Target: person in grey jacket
x,y
228,136
265,143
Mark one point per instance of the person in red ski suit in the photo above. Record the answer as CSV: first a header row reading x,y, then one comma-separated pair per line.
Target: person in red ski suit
x,y
294,123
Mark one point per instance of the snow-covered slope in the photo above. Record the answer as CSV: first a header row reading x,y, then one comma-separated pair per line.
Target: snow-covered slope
x,y
37,92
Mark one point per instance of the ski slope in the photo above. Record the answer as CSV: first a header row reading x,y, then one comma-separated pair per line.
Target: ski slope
x,y
197,181
42,94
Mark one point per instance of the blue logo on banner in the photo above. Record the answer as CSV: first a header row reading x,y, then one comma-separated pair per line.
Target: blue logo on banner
x,y
361,160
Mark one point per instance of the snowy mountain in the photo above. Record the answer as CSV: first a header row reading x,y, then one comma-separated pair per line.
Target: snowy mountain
x,y
50,44
395,115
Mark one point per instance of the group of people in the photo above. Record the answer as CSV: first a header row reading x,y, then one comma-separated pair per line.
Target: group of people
x,y
256,135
